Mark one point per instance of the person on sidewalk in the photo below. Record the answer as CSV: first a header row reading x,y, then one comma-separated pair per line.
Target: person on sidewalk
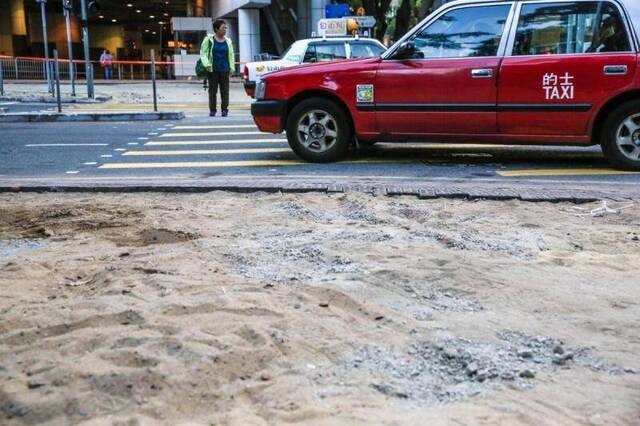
x,y
106,60
219,60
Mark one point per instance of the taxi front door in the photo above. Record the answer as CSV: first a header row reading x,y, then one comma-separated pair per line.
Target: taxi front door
x,y
449,85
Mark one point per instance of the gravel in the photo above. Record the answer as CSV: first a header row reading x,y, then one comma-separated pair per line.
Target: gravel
x,y
455,369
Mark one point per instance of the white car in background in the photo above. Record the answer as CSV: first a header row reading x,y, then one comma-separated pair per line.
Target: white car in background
x,y
312,50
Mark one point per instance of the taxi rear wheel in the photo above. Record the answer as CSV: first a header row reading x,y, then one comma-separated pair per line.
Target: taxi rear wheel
x,y
621,137
318,130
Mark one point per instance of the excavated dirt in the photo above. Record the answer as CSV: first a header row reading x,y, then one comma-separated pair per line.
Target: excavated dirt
x,y
316,309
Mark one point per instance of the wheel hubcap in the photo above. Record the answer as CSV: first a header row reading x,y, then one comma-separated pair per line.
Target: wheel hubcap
x,y
317,130
628,137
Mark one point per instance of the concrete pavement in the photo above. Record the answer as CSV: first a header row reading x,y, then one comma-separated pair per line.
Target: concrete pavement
x,y
131,93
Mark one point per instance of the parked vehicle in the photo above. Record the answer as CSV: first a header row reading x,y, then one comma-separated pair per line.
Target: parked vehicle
x,y
309,51
512,72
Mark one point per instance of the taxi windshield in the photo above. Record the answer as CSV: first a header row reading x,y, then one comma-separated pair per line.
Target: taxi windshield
x,y
295,52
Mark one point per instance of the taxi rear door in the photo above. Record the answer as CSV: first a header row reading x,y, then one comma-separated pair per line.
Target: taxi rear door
x,y
566,59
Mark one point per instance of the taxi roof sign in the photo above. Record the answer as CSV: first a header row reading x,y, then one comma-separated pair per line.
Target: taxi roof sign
x,y
332,27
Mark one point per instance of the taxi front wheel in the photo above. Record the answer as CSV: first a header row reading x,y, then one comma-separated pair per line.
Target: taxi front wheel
x,y
621,137
318,130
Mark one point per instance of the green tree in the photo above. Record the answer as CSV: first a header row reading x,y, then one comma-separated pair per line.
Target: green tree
x,y
395,21
378,9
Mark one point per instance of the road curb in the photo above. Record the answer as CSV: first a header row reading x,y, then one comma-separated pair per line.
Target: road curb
x,y
84,117
527,194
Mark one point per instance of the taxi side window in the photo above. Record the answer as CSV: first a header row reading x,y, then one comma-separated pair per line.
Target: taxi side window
x,y
465,32
310,54
325,52
570,28
365,50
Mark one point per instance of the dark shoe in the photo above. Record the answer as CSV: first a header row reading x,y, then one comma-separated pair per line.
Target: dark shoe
x,y
225,112
212,113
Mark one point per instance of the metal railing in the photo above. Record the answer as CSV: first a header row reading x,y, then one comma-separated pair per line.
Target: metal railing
x,y
34,69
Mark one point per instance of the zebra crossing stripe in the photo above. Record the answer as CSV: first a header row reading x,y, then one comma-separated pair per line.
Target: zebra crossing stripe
x,y
220,126
187,135
213,142
207,152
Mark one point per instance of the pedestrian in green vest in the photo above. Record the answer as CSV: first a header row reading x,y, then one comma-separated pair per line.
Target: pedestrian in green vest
x,y
218,59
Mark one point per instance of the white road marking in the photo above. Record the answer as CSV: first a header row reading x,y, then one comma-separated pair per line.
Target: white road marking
x,y
41,145
152,133
143,139
132,143
216,142
72,172
190,135
106,156
91,163
222,126
120,149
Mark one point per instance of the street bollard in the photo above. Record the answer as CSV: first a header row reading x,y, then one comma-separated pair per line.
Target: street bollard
x,y
153,79
57,66
1,79
90,77
131,71
50,67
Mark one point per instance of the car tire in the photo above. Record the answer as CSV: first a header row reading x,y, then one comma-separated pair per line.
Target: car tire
x,y
318,130
621,137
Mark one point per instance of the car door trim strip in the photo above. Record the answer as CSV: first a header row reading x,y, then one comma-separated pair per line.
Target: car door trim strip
x,y
474,107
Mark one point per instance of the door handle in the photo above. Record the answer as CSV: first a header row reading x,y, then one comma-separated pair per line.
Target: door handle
x,y
616,70
482,73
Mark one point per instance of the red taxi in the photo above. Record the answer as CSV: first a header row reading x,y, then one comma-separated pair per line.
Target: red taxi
x,y
512,72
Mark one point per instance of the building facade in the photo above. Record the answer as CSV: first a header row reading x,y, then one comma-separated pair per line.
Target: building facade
x,y
131,28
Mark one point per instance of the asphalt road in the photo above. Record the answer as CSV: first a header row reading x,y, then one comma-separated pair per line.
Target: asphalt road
x,y
203,147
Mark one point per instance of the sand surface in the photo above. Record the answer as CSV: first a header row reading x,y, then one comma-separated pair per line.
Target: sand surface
x,y
316,309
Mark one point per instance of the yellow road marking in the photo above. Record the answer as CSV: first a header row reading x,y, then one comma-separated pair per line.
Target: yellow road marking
x,y
401,145
203,108
182,135
143,105
563,172
226,126
213,142
248,163
200,164
209,151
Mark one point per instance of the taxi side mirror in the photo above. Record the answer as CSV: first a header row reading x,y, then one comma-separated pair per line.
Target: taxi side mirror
x,y
406,50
